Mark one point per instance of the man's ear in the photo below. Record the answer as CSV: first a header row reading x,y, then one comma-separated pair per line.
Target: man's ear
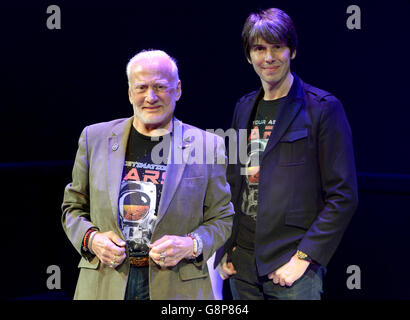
x,y
179,91
293,55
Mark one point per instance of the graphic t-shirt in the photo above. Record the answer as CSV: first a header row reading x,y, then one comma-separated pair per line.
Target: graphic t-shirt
x,y
140,192
260,130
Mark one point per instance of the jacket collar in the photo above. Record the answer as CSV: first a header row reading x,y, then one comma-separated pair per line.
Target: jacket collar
x,y
287,111
116,148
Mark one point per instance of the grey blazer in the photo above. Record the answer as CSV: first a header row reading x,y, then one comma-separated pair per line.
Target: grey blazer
x,y
195,198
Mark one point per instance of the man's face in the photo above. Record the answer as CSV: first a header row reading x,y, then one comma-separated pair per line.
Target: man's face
x,y
153,92
271,61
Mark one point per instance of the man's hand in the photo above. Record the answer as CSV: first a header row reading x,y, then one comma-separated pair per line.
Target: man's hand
x,y
109,248
226,270
290,272
226,267
169,250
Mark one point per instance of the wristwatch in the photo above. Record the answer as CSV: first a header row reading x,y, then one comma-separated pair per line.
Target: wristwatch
x,y
303,256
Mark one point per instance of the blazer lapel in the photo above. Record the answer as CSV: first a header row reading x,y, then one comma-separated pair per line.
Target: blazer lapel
x,y
249,109
116,148
287,111
177,158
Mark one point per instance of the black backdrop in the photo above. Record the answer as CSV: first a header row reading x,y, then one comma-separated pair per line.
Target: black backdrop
x,y
54,82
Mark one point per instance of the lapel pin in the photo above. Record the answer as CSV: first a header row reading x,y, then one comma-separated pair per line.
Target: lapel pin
x,y
114,147
186,142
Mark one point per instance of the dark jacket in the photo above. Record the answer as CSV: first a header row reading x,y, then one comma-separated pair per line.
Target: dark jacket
x,y
307,179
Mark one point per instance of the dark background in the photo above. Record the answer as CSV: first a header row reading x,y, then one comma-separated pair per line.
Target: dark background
x,y
55,82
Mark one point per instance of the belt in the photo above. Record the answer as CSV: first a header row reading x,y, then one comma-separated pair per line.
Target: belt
x,y
139,261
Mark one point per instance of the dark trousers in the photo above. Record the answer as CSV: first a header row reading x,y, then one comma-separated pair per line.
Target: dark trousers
x,y
247,285
137,285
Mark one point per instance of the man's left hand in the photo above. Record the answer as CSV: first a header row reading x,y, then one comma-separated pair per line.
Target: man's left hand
x,y
169,250
290,272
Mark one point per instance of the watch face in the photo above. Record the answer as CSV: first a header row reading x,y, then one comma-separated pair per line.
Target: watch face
x,y
195,246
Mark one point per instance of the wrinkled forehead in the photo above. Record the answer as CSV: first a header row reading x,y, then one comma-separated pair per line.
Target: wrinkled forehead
x,y
157,68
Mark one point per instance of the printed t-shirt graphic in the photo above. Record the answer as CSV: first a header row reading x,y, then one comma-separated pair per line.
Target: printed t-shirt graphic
x,y
140,192
260,131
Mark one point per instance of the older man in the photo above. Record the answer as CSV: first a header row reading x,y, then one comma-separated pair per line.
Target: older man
x,y
144,228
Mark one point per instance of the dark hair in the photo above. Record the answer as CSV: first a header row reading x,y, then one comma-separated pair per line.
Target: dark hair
x,y
273,25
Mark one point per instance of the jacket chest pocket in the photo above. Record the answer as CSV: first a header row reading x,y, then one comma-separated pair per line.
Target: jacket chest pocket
x,y
293,148
192,186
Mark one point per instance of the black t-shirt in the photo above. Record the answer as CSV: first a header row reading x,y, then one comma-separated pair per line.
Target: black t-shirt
x,y
140,192
260,130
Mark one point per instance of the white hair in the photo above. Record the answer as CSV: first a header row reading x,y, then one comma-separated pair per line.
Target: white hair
x,y
150,54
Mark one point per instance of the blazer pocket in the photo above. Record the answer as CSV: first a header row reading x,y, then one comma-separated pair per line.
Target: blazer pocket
x,y
193,178
293,148
188,271
300,219
92,264
192,182
192,186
